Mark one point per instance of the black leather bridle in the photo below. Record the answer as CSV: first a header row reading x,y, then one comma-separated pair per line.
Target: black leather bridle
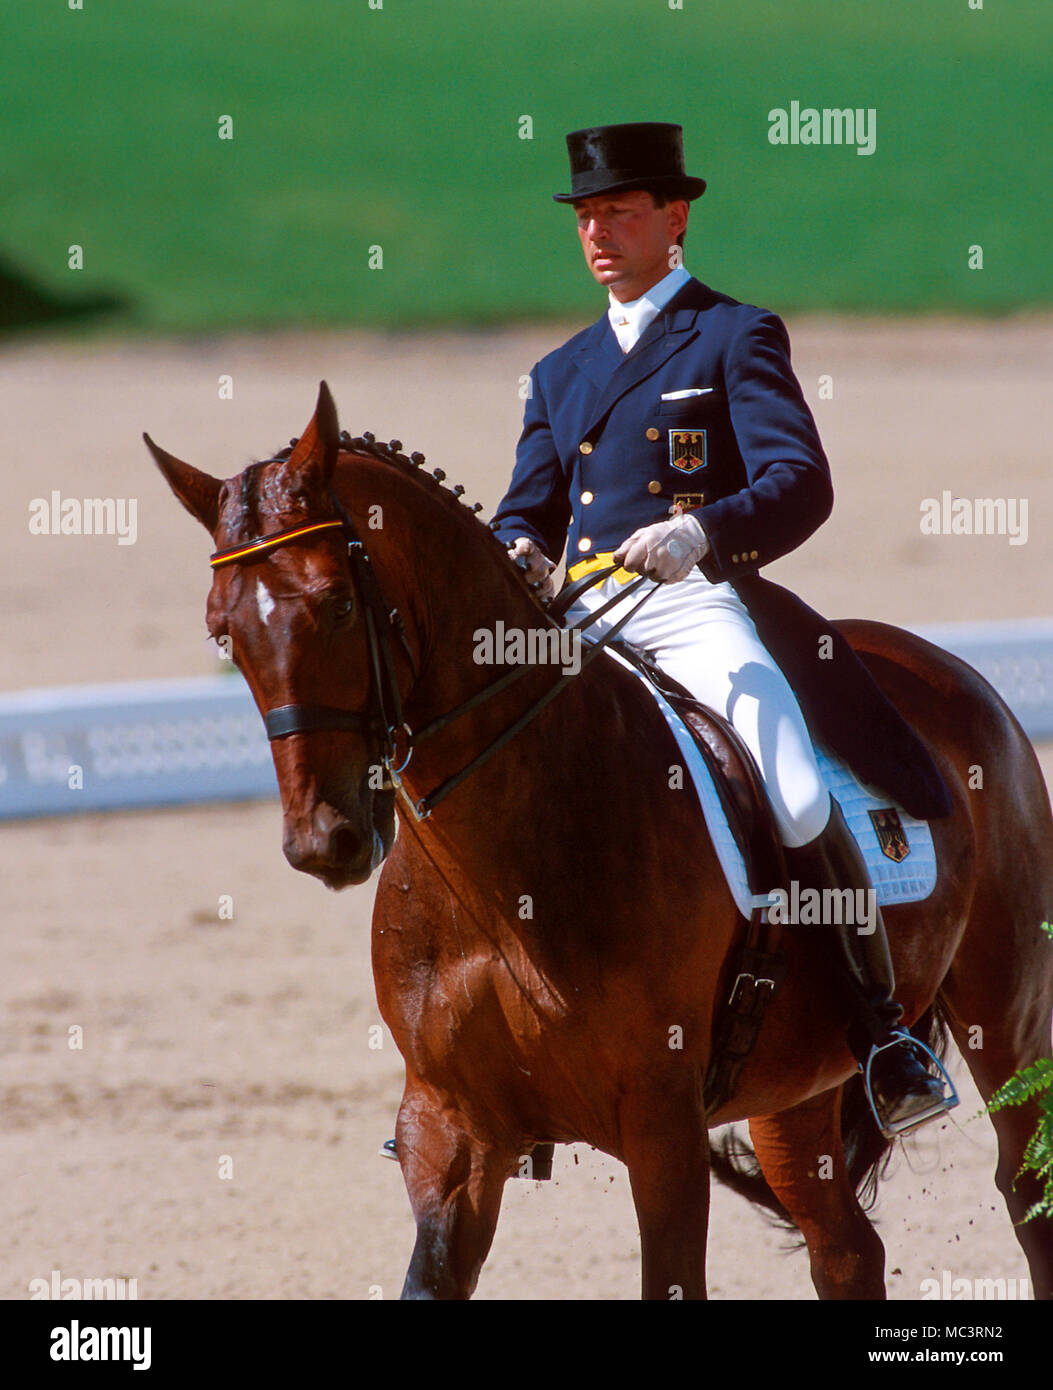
x,y
384,721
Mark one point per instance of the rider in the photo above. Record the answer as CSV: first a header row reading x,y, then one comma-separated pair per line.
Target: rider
x,y
672,437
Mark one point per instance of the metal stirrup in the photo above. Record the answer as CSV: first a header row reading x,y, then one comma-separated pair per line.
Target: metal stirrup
x,y
904,1126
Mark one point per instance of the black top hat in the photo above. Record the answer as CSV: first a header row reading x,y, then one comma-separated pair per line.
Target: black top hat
x,y
616,158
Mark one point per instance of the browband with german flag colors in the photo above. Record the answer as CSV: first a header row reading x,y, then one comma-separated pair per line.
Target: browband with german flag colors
x,y
264,543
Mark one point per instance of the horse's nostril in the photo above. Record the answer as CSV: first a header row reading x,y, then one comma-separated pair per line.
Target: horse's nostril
x,y
343,844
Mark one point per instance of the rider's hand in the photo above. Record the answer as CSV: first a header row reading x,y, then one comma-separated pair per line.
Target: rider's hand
x,y
538,568
667,551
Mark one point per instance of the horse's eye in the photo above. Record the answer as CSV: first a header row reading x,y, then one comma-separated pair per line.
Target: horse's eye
x,y
342,607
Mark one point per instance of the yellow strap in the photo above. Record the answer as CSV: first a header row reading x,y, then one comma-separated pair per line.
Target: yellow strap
x,y
598,562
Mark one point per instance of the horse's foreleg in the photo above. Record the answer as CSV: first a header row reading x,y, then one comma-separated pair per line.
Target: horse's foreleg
x,y
666,1149
801,1155
455,1178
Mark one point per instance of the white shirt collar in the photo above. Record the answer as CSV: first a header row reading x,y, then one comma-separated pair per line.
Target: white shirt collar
x,y
630,320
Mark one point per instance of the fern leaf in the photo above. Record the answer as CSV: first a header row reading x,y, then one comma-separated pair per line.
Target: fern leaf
x,y
1043,1207
1024,1085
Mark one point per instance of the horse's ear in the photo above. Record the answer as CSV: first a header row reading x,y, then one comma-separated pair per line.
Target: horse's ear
x,y
320,441
198,492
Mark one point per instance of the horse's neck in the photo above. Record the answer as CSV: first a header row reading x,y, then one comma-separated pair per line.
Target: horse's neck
x,y
454,588
478,630
447,577
463,604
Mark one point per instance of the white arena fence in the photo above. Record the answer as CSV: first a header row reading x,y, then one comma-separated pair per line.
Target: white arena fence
x,y
172,742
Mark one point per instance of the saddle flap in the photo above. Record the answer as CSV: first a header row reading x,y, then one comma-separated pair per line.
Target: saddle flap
x,y
735,774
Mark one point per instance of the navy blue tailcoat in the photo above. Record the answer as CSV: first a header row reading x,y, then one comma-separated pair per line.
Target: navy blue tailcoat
x,y
602,454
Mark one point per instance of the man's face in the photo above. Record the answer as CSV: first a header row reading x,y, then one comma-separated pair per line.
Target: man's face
x,y
626,239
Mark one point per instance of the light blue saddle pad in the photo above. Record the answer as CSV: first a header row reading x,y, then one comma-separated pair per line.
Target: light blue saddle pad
x,y
907,881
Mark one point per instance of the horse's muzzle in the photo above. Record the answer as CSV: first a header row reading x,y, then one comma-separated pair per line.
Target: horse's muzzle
x,y
330,848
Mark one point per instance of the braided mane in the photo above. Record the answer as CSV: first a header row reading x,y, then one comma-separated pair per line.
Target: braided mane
x,y
367,445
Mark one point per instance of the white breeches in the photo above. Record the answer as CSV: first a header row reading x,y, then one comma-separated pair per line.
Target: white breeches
x,y
702,635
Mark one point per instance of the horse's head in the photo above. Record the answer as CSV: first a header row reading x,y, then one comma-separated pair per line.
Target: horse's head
x,y
298,626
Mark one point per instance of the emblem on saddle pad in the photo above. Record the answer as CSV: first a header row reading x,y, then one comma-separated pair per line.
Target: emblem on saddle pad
x,y
890,833
687,450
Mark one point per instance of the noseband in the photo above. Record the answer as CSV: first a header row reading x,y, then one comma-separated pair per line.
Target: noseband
x,y
384,719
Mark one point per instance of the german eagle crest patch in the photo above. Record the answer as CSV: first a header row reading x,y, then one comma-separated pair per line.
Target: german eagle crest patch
x,y
890,834
687,450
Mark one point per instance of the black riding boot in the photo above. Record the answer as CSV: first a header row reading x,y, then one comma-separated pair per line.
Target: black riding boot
x,y
905,1094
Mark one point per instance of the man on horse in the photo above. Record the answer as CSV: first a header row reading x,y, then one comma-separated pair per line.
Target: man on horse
x,y
672,438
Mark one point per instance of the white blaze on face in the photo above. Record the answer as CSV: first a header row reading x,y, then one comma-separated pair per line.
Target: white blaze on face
x,y
264,602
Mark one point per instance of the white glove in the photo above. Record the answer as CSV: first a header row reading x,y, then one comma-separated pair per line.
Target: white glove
x,y
539,567
667,551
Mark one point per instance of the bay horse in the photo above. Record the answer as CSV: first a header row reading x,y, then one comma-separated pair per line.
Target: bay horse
x,y
551,933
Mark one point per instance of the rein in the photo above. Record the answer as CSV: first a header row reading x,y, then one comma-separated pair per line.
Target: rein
x,y
384,719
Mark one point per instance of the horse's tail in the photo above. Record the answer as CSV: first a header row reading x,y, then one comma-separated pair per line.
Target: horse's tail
x,y
867,1151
